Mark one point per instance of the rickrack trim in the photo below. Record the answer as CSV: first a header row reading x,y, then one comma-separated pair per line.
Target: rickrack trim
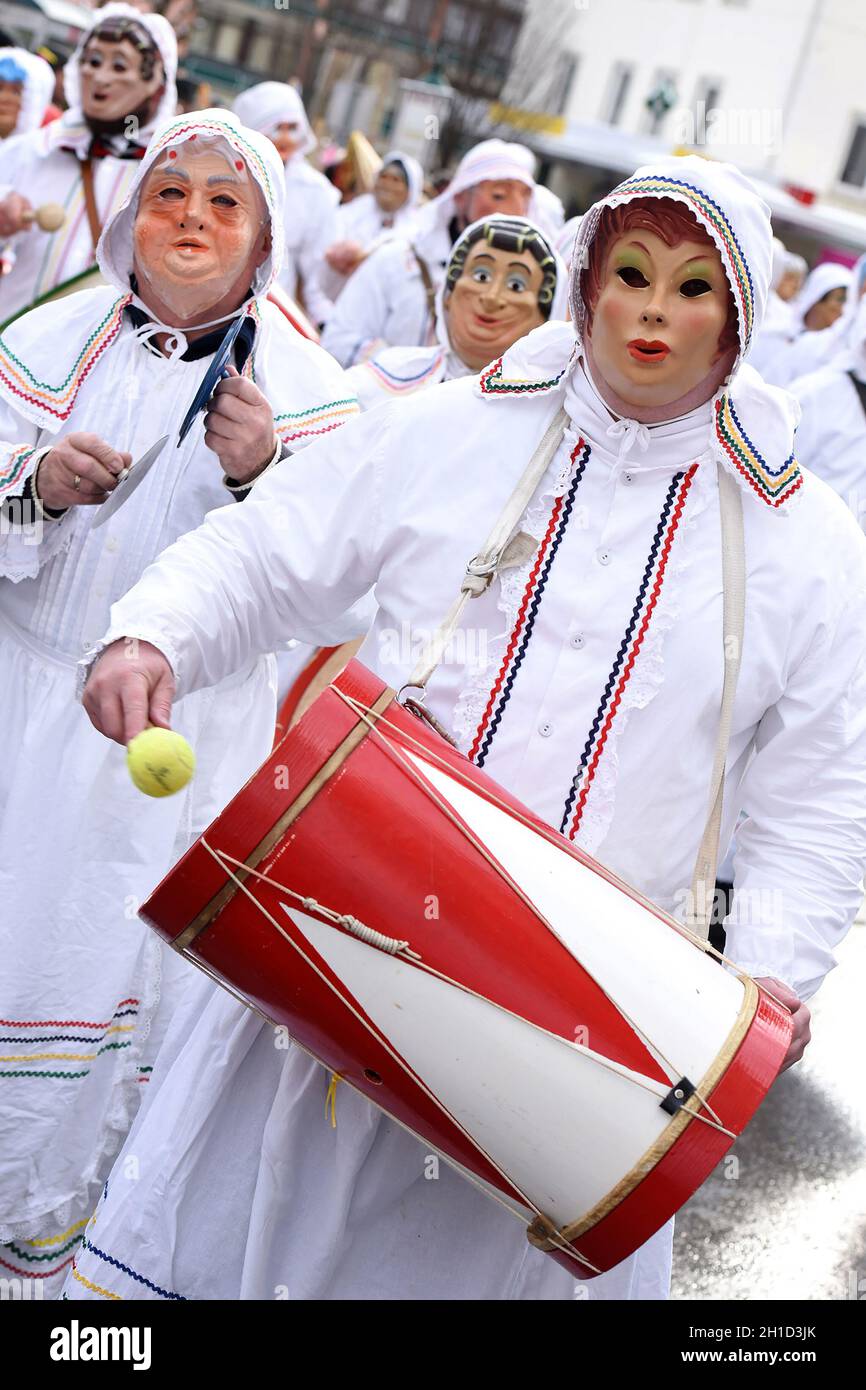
x,y
632,641
773,486
512,660
59,400
403,384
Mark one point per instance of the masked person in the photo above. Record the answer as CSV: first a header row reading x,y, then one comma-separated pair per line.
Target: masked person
x,y
119,83
502,280
391,299
595,699
818,307
365,221
26,88
276,110
831,437
88,384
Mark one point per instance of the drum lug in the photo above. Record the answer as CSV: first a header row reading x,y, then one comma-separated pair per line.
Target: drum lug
x,y
677,1096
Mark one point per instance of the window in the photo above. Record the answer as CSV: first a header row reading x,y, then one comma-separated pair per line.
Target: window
x,y
854,170
660,98
562,83
261,52
617,92
707,97
228,43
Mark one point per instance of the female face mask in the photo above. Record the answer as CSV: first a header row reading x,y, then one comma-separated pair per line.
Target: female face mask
x,y
494,302
661,310
199,234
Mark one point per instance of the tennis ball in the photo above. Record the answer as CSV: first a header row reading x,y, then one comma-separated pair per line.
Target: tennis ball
x,y
160,761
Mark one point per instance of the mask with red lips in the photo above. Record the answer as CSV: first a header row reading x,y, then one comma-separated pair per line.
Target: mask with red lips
x,y
661,331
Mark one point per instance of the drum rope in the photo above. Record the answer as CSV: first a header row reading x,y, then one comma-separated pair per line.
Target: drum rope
x,y
389,944
417,1080
374,721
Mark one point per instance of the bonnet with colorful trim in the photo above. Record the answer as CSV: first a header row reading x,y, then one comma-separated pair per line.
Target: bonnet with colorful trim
x,y
754,423
115,250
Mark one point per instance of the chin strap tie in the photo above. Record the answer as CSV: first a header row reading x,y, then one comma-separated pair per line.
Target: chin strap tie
x,y
631,434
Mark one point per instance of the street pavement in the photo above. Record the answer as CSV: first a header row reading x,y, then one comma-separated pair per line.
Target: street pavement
x,y
787,1220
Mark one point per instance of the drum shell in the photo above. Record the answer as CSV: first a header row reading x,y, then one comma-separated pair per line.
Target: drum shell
x,y
375,842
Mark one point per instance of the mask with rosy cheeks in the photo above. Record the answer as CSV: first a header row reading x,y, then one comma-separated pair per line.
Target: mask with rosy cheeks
x,y
113,85
494,302
655,327
200,232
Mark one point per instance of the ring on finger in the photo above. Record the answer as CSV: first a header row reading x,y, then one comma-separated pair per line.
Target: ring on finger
x,y
76,482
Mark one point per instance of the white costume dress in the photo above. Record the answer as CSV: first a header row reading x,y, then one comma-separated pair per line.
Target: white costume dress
x,y
80,978
807,349
311,199
386,301
45,166
831,438
606,652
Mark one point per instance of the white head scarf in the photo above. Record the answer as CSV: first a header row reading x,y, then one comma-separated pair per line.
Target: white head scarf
x,y
414,176
492,159
271,104
37,90
163,36
820,281
780,263
565,240
115,250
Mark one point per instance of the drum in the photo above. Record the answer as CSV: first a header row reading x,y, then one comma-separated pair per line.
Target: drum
x,y
527,1015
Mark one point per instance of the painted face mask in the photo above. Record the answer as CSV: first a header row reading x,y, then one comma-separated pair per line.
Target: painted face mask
x,y
662,309
500,284
201,231
120,74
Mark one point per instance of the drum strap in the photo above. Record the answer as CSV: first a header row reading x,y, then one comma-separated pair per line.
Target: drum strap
x,y
500,551
503,549
703,886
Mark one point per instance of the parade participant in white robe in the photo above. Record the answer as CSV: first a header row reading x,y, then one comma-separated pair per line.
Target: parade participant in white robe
x,y
390,300
779,324
565,239
276,110
831,438
502,280
601,714
364,223
86,384
816,350
26,88
119,83
818,307
794,277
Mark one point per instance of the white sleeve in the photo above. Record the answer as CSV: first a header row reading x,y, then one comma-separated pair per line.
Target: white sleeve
x,y
360,316
305,546
801,851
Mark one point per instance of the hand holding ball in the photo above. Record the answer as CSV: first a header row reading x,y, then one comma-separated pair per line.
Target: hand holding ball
x,y
160,761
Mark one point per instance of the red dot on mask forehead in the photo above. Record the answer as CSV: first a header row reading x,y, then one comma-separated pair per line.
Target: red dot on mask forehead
x,y
172,154
239,164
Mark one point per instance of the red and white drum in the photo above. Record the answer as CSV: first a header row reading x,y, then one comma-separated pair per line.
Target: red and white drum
x,y
561,1041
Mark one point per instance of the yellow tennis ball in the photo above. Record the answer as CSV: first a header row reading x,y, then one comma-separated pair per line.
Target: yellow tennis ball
x,y
160,761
